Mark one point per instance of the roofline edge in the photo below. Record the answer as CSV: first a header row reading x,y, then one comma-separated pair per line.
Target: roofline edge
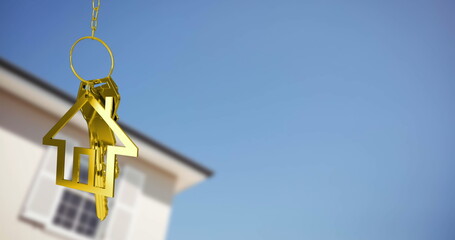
x,y
70,99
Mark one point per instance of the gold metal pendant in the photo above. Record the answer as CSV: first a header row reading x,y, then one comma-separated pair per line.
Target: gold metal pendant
x,y
98,101
98,106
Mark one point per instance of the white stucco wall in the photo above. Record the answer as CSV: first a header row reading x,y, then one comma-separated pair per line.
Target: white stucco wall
x,y
20,155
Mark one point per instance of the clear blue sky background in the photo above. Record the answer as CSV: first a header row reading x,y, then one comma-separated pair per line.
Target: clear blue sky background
x,y
323,119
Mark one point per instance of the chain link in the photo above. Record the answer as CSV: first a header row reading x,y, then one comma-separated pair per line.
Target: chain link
x,y
94,22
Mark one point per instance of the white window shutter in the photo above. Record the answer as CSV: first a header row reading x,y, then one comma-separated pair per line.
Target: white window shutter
x,y
126,196
44,194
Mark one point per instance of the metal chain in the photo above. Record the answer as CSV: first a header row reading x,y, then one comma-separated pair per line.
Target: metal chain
x,y
95,9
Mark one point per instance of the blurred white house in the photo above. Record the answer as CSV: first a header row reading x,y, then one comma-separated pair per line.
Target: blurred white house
x,y
34,207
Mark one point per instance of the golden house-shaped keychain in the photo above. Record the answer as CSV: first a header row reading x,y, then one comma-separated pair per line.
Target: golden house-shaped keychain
x,y
101,156
98,101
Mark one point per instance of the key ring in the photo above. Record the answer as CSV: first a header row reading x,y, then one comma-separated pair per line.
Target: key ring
x,y
93,38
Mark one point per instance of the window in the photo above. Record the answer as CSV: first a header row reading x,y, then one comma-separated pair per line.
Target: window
x,y
72,213
77,213
65,211
76,210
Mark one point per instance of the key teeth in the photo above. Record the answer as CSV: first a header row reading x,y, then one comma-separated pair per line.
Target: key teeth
x,y
101,207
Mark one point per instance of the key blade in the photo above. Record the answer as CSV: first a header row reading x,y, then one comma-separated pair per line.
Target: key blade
x,y
101,206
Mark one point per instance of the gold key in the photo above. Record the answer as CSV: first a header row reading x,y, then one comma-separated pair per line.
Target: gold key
x,y
100,134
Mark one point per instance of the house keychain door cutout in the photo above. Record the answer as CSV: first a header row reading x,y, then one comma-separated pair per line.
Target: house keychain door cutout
x,y
98,101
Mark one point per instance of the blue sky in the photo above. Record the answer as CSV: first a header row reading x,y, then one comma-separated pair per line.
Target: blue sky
x,y
322,119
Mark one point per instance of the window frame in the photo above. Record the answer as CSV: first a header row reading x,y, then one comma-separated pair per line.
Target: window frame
x,y
47,221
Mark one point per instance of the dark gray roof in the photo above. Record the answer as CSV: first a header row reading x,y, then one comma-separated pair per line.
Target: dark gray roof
x,y
136,133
